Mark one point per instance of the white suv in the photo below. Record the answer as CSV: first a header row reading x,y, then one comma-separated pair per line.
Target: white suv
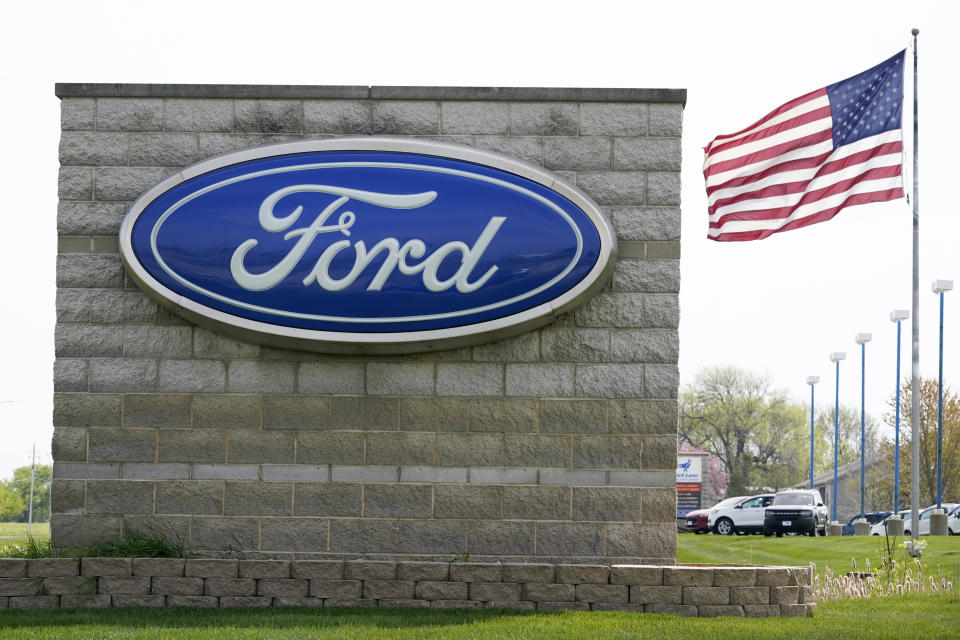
x,y
744,516
925,519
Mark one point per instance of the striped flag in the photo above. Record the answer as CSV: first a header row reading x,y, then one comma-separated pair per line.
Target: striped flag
x,y
810,158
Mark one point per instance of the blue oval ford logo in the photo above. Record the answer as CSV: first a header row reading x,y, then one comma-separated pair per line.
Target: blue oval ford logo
x,y
367,244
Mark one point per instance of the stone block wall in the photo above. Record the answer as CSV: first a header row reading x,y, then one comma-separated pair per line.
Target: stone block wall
x,y
559,444
157,582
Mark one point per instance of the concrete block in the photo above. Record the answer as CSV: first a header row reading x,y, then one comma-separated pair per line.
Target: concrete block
x,y
784,595
19,587
191,114
82,340
370,570
221,533
400,378
749,595
469,379
86,218
345,378
283,587
582,573
323,499
647,276
13,568
573,416
607,503
317,569
544,118
602,593
77,113
786,610
330,447
665,119
660,505
494,475
124,183
244,601
528,572
655,452
230,587
70,375
567,344
261,376
336,116
609,451
207,344
526,148
532,450
572,477
156,410
569,539
434,414
119,496
441,590
190,497
423,571
468,449
53,567
362,412
75,183
420,117
457,501
127,375
403,602
713,611
193,601
539,380
364,474
258,498
138,601
610,380
397,589
614,119
268,116
688,576
773,577
294,473
522,348
34,602
646,154
620,310
346,589
261,446
507,415
89,148
191,445
176,586
653,594
82,470
636,575
397,501
106,567
735,577
706,595
162,149
455,604
401,447
586,153
536,503
131,585
475,572
501,538
656,346
293,534
85,601
192,376
499,591
663,188
616,606
296,412
661,380
687,610
68,497
69,445
621,188
563,606
647,223
475,117
761,610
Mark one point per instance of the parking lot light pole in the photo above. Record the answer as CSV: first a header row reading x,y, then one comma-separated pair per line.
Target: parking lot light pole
x,y
898,316
811,380
836,357
939,287
862,340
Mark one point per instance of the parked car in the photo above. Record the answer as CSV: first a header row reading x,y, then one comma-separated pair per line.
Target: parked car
x,y
880,528
953,522
871,518
745,516
796,511
698,521
924,528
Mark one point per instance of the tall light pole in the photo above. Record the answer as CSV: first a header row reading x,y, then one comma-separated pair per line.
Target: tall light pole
x,y
898,316
836,357
862,340
939,287
811,380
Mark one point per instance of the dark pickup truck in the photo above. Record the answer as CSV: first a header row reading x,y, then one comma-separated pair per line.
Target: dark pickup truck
x,y
795,511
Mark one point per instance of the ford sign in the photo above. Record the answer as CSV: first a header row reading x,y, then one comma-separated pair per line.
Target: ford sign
x,y
369,245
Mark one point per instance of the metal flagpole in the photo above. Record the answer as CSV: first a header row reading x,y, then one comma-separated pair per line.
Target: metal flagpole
x,y
33,470
915,321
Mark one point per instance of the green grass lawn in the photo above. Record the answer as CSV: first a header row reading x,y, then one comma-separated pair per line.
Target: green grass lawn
x,y
942,551
16,532
905,617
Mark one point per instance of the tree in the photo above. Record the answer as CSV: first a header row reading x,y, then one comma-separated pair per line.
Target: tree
x,y
11,505
928,442
849,449
756,431
41,492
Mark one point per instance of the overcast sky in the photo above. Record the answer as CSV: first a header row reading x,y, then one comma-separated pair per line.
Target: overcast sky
x,y
778,306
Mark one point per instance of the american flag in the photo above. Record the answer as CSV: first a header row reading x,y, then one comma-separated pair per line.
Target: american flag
x,y
809,158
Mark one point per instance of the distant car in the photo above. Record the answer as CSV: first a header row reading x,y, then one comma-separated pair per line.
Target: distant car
x,y
924,528
698,521
871,518
796,511
880,528
953,522
744,516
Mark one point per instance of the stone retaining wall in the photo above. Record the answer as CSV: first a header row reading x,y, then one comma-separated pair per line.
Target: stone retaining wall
x,y
680,590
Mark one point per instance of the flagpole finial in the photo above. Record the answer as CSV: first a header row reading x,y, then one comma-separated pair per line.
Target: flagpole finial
x,y
915,32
